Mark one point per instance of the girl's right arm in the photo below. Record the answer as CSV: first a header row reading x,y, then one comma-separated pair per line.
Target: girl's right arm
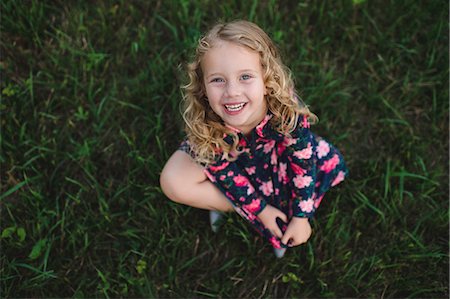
x,y
184,181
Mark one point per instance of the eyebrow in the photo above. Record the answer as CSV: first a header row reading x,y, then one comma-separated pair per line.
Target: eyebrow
x,y
240,71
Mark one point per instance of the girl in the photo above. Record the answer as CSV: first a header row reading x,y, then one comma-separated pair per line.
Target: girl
x,y
249,147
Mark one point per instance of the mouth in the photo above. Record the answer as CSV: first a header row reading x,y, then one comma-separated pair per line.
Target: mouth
x,y
235,107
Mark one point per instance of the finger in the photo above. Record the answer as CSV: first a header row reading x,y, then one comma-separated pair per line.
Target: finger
x,y
286,237
301,240
296,242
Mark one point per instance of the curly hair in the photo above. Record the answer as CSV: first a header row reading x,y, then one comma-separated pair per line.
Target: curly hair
x,y
205,129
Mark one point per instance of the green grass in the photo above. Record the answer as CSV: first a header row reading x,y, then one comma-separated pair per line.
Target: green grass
x,y
90,113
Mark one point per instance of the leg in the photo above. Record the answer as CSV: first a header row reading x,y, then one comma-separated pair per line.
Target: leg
x,y
183,181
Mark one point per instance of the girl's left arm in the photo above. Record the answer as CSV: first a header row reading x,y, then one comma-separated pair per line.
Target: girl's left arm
x,y
302,171
313,171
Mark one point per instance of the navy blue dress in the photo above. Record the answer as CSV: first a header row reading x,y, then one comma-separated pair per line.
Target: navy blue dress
x,y
290,173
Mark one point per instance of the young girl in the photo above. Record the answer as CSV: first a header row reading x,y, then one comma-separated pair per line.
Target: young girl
x,y
249,147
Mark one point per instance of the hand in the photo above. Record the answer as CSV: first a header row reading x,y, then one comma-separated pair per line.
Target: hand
x,y
268,217
297,232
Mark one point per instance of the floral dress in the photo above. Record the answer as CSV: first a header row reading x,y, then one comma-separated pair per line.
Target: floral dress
x,y
290,173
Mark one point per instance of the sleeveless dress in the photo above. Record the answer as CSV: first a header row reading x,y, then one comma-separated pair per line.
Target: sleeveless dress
x,y
290,173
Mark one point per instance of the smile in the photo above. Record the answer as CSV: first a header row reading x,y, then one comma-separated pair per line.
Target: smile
x,y
235,108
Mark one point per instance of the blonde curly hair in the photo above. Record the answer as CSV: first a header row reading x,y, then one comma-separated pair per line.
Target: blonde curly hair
x,y
205,129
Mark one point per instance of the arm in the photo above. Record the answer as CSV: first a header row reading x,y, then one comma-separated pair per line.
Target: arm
x,y
184,181
303,171
312,177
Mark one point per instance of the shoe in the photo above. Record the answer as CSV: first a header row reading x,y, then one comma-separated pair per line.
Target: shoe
x,y
215,218
279,252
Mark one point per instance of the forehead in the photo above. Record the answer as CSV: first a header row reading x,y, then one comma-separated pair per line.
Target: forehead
x,y
230,57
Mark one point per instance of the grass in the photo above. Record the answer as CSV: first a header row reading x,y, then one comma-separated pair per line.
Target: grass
x,y
89,115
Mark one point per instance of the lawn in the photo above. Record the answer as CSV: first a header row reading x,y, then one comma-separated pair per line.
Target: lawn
x,y
90,94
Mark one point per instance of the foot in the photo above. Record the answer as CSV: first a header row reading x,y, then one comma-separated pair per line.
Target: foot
x,y
279,252
215,218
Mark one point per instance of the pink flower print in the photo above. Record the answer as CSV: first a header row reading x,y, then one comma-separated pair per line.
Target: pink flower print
x,y
242,143
269,146
254,206
282,174
297,169
229,195
251,170
244,214
307,206
277,191
287,141
250,189
323,148
317,201
240,180
222,177
210,176
331,164
266,166
260,127
302,181
230,173
275,242
240,212
305,122
280,148
273,158
266,188
251,216
339,178
219,167
242,198
305,153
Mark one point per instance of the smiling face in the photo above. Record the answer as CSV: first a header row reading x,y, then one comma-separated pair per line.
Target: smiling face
x,y
234,85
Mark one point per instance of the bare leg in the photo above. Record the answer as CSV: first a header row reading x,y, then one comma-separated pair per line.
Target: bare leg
x,y
183,181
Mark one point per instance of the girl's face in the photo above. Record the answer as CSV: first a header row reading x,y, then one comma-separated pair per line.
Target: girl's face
x,y
234,85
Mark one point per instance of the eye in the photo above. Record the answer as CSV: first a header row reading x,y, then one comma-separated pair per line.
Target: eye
x,y
246,77
217,80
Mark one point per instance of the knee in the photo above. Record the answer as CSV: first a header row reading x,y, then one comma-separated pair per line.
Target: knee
x,y
171,188
167,186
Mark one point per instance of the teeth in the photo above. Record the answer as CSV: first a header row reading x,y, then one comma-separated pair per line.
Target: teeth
x,y
235,107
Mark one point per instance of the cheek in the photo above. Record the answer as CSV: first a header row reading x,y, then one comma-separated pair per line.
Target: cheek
x,y
213,94
260,90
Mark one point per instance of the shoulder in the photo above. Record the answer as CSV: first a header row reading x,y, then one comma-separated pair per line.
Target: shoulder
x,y
202,156
302,131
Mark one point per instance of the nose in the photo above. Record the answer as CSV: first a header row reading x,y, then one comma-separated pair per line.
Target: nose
x,y
233,89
